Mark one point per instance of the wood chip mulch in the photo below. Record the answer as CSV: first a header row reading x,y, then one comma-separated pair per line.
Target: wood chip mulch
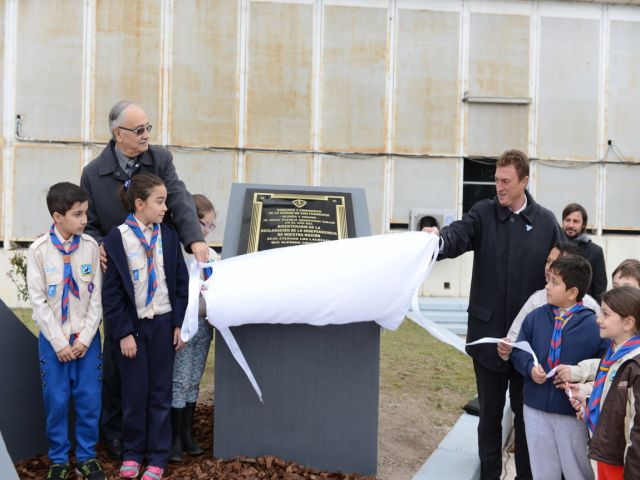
x,y
205,466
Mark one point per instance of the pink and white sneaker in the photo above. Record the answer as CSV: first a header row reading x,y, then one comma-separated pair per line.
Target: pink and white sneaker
x,y
152,473
129,469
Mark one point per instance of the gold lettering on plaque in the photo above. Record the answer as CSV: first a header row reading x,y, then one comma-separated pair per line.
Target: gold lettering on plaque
x,y
282,226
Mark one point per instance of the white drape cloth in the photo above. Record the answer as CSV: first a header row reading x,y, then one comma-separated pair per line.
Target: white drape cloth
x,y
344,281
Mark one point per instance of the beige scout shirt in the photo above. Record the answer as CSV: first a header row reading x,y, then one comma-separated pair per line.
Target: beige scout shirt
x,y
45,274
137,260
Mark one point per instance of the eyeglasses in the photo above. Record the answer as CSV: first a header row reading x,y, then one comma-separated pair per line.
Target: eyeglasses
x,y
207,227
139,131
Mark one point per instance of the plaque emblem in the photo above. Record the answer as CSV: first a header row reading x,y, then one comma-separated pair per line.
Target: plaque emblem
x,y
299,203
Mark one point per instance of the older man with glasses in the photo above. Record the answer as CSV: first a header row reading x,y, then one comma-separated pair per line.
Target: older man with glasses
x,y
128,153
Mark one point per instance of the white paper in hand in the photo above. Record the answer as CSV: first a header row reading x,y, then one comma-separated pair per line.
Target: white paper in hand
x,y
522,345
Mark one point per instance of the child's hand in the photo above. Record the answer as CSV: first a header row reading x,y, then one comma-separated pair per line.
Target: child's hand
x,y
103,258
79,349
177,340
128,347
573,392
504,349
563,375
579,406
66,354
538,374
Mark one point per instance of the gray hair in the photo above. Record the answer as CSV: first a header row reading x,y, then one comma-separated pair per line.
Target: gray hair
x,y
115,115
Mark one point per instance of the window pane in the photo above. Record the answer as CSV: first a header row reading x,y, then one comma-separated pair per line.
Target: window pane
x,y
474,193
476,170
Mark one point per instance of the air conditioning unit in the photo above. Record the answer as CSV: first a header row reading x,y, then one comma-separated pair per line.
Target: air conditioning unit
x,y
430,217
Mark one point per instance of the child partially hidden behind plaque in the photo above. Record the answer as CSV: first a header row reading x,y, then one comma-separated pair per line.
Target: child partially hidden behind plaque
x,y
190,361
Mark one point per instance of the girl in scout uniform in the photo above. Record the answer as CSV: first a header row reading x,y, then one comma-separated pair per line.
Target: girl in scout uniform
x,y
613,408
190,361
144,301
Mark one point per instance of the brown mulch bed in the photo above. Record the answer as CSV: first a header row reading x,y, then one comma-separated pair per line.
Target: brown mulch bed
x,y
205,467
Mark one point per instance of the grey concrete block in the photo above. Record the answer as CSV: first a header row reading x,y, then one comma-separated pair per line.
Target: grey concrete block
x,y
456,457
7,472
463,437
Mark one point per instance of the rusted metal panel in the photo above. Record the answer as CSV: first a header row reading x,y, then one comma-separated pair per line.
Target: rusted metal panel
x,y
2,210
211,174
52,164
2,46
278,169
492,129
362,172
423,183
49,68
622,198
353,81
568,88
557,186
128,47
204,83
624,88
279,94
427,110
499,55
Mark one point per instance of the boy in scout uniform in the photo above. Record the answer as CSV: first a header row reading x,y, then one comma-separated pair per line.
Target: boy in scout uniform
x,y
64,281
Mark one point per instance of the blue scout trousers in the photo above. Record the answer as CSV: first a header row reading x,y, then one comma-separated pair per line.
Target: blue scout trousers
x,y
60,381
146,391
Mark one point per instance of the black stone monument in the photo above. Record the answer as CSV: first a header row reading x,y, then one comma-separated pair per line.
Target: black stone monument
x,y
319,384
22,420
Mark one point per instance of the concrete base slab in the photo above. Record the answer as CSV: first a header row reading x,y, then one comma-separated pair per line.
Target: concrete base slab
x,y
7,472
456,457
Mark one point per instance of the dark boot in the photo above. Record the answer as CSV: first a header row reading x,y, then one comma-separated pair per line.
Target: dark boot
x,y
177,422
188,443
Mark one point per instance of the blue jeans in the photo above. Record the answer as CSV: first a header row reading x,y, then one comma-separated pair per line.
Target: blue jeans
x,y
81,379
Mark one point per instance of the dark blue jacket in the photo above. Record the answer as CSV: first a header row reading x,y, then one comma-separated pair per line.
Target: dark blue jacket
x,y
118,299
580,340
510,251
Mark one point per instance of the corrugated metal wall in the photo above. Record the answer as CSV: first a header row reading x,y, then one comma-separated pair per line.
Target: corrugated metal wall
x,y
367,93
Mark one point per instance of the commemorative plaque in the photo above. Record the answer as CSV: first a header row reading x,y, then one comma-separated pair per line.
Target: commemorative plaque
x,y
319,384
282,219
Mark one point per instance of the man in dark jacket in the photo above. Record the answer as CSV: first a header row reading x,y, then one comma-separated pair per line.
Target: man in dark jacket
x,y
574,224
511,237
127,154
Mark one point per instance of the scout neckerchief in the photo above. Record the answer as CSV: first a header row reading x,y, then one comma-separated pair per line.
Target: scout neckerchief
x,y
556,339
207,272
593,408
68,282
149,248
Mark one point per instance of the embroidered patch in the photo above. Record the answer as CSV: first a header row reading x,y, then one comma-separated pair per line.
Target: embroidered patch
x,y
51,291
85,268
136,275
528,227
90,287
49,268
623,385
